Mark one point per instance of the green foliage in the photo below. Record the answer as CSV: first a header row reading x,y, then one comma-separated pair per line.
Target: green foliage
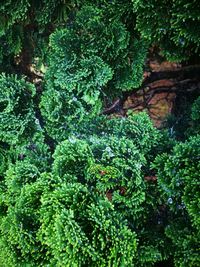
x,y
19,221
83,230
25,27
3,160
14,12
95,208
91,211
23,23
71,157
16,106
21,135
170,24
112,170
78,188
34,150
178,179
195,116
187,120
93,59
185,242
196,110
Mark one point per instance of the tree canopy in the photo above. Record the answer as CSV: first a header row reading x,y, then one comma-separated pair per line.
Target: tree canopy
x,y
79,188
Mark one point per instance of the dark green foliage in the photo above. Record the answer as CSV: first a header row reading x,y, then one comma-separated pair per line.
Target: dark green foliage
x,y
24,25
16,106
178,179
179,175
170,24
34,151
21,135
3,160
92,60
43,12
78,188
195,116
196,110
187,120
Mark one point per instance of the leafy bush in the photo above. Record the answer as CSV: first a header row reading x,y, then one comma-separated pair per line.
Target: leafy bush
x,y
20,199
25,27
172,24
78,188
94,207
178,180
93,59
16,106
81,229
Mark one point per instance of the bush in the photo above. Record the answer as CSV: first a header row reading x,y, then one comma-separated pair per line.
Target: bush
x,y
81,229
92,209
17,110
172,25
93,60
178,180
78,188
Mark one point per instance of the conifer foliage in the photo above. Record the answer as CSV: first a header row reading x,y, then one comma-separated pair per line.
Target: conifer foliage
x,y
17,113
93,59
178,179
78,188
172,24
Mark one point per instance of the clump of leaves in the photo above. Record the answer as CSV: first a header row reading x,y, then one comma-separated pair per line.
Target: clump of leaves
x,y
92,61
178,180
16,109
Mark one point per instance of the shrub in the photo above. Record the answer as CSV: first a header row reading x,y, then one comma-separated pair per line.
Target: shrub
x,y
178,180
20,200
92,209
24,30
171,25
93,60
78,188
81,229
17,109
113,171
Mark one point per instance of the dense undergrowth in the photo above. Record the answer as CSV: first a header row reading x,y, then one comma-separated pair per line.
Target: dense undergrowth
x,y
78,188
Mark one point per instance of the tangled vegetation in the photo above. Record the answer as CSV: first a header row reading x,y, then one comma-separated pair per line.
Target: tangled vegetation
x,y
79,188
